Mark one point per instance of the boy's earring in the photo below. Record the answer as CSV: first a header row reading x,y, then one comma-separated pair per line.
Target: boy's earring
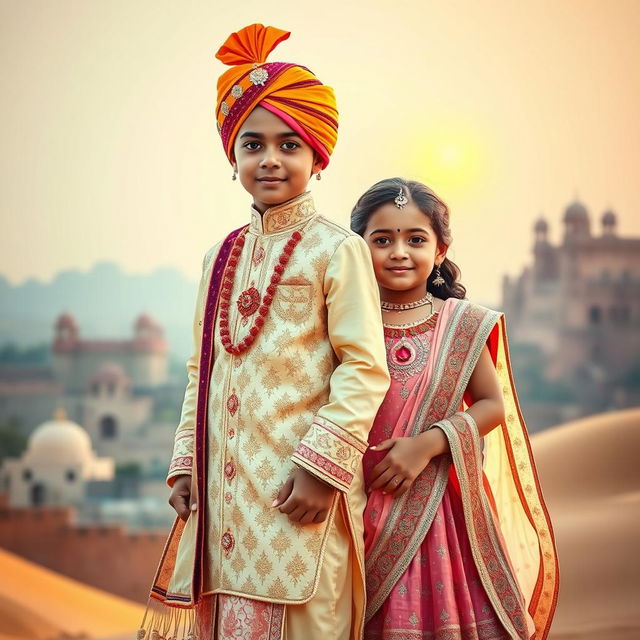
x,y
438,281
318,176
235,174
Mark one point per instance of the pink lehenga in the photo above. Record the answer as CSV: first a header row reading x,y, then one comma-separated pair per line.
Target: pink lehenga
x,y
468,552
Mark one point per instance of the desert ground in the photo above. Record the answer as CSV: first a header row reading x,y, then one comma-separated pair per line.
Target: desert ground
x,y
591,481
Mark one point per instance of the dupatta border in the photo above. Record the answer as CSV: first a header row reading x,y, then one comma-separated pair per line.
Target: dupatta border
x,y
492,564
411,515
160,586
517,444
165,609
204,380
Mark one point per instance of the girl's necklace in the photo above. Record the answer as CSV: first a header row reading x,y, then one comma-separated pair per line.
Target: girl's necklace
x,y
405,306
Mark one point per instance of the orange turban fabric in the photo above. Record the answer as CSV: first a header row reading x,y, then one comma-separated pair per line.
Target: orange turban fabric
x,y
290,91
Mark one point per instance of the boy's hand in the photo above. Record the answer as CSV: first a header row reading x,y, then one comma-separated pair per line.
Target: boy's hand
x,y
180,496
304,498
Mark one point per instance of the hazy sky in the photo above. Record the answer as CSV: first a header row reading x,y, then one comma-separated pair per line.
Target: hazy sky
x,y
507,109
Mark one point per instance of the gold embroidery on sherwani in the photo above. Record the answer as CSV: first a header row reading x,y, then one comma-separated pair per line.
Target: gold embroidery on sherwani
x,y
294,213
265,472
250,542
313,241
251,446
277,590
291,302
266,519
263,566
238,564
299,427
313,544
248,586
272,380
281,448
296,568
280,542
288,409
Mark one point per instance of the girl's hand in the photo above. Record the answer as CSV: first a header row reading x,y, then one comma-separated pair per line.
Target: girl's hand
x,y
405,461
304,498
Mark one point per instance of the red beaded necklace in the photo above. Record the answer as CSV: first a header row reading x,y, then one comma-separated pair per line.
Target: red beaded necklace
x,y
248,303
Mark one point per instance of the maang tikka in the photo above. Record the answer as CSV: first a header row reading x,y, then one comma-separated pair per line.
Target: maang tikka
x,y
401,199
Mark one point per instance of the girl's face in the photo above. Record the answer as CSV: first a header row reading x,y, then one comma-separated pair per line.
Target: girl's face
x,y
273,162
404,249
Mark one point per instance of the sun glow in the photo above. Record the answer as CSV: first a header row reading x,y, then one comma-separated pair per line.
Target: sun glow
x,y
452,158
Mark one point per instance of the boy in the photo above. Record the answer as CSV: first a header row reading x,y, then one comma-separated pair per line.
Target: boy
x,y
288,372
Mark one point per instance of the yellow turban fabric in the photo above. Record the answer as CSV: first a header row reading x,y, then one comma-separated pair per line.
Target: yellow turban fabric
x,y
288,90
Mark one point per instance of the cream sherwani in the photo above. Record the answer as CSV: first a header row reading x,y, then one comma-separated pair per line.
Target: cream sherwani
x,y
305,393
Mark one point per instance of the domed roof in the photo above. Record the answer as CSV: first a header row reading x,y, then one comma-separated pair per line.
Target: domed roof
x,y
541,225
144,321
576,212
109,372
66,320
59,442
609,218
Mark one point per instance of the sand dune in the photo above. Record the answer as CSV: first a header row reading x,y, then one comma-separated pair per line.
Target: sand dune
x,y
591,480
36,604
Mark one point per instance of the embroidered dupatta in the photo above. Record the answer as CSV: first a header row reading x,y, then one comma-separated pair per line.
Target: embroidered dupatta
x,y
512,545
175,611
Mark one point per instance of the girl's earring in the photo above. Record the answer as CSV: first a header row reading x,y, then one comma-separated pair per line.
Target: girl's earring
x,y
438,281
235,174
318,176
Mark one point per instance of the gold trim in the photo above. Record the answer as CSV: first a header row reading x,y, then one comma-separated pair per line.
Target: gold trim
x,y
283,217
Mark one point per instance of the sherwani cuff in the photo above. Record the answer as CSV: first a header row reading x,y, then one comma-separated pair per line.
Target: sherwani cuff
x,y
330,453
182,460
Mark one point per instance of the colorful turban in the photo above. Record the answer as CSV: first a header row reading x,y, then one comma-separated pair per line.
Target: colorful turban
x,y
290,91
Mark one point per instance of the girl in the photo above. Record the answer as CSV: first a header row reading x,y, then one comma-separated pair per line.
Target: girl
x,y
452,551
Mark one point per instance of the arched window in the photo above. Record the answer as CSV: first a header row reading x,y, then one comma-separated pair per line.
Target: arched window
x,y
27,475
38,493
595,315
71,475
108,428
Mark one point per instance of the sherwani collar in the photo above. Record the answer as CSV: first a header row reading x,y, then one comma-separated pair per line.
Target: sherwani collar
x,y
282,217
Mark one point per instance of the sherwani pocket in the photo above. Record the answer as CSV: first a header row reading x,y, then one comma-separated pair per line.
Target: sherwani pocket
x,y
293,299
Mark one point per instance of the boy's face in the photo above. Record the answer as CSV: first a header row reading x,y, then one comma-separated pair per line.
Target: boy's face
x,y
273,162
404,248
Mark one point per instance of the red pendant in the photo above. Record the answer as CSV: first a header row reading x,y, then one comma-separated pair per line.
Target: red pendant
x,y
249,302
403,354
